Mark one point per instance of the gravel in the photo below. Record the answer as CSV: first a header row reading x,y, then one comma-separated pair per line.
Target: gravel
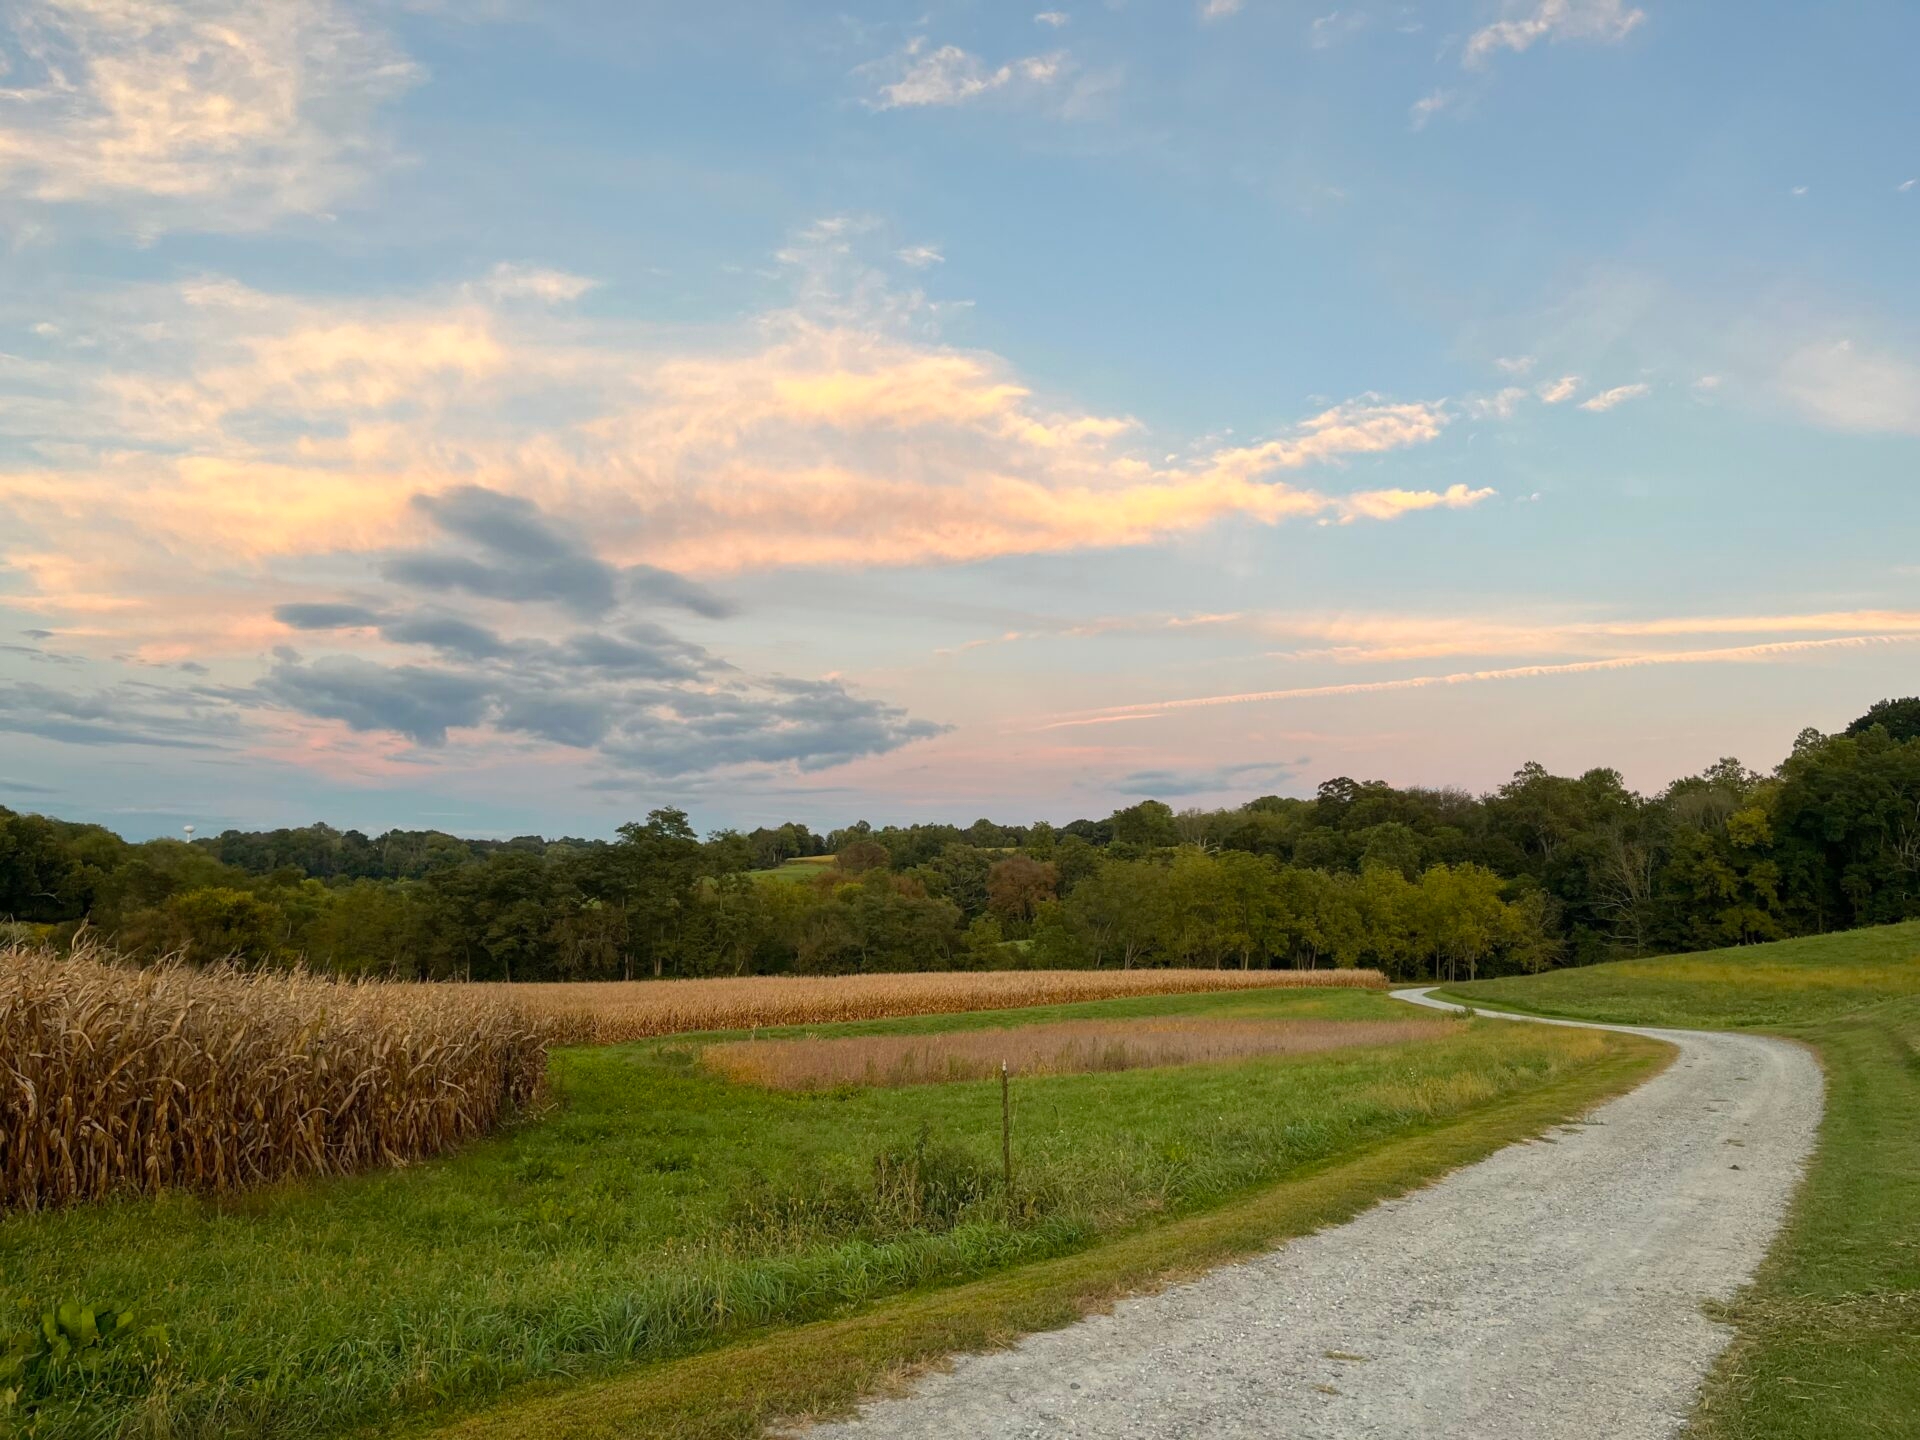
x,y
1553,1289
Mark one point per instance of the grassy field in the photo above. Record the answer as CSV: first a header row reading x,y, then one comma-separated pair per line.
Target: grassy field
x,y
1829,1336
659,1212
806,867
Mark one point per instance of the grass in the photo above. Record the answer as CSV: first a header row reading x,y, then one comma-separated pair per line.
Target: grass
x,y
661,1212
1828,1337
1790,982
823,1369
609,1012
800,870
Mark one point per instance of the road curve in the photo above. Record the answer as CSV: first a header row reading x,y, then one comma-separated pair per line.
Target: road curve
x,y
1553,1289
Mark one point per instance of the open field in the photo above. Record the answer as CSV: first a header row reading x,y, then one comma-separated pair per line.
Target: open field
x,y
613,1011
1790,982
114,1078
1829,1336
659,1211
1070,1047
805,867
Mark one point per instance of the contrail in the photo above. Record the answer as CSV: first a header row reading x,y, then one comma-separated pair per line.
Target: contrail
x,y
1728,655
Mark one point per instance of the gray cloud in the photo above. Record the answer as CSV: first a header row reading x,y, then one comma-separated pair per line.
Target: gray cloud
x,y
526,557
1262,776
642,698
809,724
127,714
326,616
448,634
411,700
564,721
649,583
38,634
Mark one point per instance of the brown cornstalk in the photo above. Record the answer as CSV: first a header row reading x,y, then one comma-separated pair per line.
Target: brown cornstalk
x,y
118,1078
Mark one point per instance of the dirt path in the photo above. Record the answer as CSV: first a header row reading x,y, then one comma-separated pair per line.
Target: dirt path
x,y
1553,1289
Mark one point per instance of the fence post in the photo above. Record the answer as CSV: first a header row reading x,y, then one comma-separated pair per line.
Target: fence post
x,y
1006,1130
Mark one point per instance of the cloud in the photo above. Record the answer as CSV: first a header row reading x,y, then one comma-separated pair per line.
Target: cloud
x,y
1053,18
1501,405
1905,185
572,464
1220,9
326,616
512,282
418,702
1428,106
1329,29
529,558
811,725
1554,392
197,114
1619,395
948,75
631,693
1853,387
1606,22
1742,654
1257,776
921,256
1514,364
127,714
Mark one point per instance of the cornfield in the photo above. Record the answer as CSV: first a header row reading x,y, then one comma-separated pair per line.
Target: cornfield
x,y
609,1012
114,1078
1072,1047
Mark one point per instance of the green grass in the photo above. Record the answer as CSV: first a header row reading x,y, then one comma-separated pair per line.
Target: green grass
x,y
823,1369
1828,1343
658,1212
1790,982
807,867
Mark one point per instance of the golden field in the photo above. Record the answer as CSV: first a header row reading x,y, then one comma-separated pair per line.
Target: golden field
x,y
117,1078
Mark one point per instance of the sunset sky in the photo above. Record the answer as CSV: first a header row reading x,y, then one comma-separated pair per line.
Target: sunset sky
x,y
514,416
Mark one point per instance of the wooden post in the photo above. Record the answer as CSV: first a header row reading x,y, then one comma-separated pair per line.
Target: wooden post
x,y
1006,1130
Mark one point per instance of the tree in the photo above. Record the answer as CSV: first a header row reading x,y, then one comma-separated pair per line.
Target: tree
x,y
859,856
1017,887
221,924
1899,718
1146,826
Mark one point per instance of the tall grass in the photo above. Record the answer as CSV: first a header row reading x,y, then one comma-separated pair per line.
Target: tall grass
x,y
610,1012
1072,1047
117,1078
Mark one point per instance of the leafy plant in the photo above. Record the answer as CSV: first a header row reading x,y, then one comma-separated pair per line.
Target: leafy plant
x,y
70,1343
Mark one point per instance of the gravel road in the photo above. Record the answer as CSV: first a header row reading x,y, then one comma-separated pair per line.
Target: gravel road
x,y
1553,1289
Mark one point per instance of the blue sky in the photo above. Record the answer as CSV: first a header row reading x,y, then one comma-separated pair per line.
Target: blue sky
x,y
509,417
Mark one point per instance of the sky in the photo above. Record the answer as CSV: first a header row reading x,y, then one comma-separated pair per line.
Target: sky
x,y
511,417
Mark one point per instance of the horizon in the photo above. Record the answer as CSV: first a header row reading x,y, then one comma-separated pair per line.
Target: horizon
x,y
510,423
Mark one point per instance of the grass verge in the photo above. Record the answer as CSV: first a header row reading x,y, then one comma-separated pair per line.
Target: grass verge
x,y
1827,1340
823,1369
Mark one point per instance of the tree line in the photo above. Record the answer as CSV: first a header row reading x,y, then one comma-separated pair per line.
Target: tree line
x,y
1416,881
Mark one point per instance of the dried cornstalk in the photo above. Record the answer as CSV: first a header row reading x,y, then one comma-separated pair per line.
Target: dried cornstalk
x,y
116,1078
